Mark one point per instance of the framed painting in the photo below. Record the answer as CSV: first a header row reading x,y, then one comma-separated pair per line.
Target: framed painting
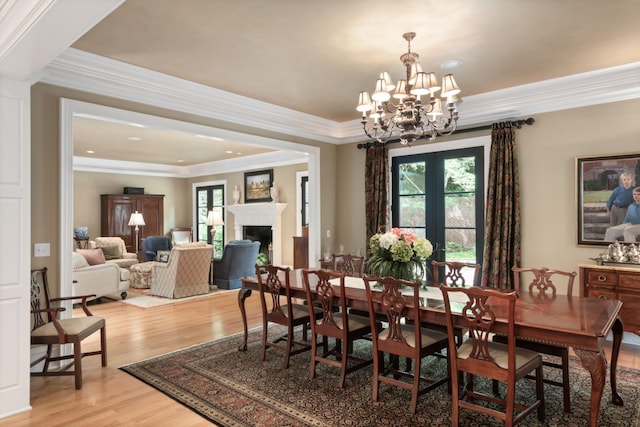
x,y
257,186
604,188
163,256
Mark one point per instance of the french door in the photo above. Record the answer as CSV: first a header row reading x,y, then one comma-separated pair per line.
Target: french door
x,y
210,197
440,196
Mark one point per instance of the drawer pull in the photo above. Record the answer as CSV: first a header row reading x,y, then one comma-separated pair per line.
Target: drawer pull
x,y
602,297
602,278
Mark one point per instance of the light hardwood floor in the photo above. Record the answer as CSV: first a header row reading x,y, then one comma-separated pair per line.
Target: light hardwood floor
x,y
111,397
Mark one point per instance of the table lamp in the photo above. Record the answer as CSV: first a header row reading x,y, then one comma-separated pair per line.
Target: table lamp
x,y
214,218
137,220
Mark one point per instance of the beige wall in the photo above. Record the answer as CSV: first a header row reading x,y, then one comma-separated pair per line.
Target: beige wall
x,y
546,157
88,186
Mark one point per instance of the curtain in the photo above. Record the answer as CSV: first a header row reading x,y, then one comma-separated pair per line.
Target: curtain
x,y
375,178
502,232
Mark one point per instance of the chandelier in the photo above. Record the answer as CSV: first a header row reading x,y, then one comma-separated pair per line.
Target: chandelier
x,y
401,113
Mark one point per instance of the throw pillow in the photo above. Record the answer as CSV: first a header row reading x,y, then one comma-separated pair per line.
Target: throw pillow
x,y
111,252
78,261
93,256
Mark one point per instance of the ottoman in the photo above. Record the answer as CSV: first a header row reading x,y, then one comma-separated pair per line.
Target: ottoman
x,y
141,275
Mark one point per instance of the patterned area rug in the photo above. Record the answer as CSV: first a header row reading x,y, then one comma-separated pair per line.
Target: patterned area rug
x,y
232,388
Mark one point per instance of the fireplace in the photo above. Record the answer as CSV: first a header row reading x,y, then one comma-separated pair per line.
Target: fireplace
x,y
259,233
262,215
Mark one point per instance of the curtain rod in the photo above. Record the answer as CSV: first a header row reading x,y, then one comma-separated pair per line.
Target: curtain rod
x,y
515,123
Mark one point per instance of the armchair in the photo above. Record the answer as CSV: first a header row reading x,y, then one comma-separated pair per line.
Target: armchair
x,y
98,280
152,244
238,260
186,273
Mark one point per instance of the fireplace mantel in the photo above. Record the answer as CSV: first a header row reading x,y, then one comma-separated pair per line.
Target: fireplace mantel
x,y
264,214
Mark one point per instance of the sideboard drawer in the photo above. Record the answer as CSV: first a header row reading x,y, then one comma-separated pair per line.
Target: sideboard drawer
x,y
629,281
602,278
601,294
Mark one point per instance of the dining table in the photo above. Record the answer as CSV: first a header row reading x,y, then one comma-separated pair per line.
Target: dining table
x,y
574,321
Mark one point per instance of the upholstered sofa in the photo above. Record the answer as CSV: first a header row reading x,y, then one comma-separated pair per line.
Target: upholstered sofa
x,y
238,260
99,279
115,251
185,274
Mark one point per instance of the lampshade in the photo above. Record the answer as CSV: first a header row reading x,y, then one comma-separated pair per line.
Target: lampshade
x,y
421,84
380,94
214,218
449,86
136,219
364,102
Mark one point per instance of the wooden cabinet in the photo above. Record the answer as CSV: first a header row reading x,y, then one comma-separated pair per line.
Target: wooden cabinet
x,y
117,209
300,252
622,283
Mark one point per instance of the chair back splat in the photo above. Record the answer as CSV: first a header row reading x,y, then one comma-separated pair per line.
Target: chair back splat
x,y
483,312
351,265
49,330
325,291
455,273
398,302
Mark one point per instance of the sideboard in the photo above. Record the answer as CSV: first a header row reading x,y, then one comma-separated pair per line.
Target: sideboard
x,y
614,282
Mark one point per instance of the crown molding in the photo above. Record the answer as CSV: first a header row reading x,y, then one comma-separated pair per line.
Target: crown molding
x,y
31,35
87,72
266,160
92,73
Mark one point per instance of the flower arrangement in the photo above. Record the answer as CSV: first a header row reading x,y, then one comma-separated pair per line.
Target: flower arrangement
x,y
398,254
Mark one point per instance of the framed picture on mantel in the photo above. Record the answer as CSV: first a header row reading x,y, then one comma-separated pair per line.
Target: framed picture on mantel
x,y
257,185
604,187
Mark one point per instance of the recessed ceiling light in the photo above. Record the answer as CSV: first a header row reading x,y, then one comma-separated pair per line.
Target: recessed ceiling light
x,y
180,161
451,64
134,138
215,138
90,152
229,152
239,154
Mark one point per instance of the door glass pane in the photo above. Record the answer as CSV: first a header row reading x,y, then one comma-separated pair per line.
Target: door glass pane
x,y
460,210
461,245
412,211
411,176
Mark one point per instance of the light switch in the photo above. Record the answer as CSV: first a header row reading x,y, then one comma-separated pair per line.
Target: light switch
x,y
41,249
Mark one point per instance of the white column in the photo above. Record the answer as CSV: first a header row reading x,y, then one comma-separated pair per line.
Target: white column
x,y
15,211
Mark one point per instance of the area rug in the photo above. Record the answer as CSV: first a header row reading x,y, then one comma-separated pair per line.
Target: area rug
x,y
232,388
142,298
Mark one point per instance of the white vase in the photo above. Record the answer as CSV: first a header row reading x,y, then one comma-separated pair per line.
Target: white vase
x,y
275,194
236,196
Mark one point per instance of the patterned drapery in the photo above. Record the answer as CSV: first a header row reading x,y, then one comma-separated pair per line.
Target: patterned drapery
x,y
502,232
376,178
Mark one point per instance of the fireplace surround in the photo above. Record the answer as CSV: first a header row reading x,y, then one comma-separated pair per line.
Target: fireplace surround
x,y
260,214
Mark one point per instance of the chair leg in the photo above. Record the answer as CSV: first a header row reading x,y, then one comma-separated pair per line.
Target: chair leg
x,y
378,365
540,393
566,391
314,350
287,354
416,385
264,340
77,360
103,345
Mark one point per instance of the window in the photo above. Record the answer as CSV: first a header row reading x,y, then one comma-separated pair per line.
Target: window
x,y
208,198
305,200
440,196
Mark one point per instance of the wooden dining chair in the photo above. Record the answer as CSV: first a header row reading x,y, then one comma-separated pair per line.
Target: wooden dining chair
x,y
351,265
478,355
273,286
542,286
325,289
49,330
455,274
402,337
